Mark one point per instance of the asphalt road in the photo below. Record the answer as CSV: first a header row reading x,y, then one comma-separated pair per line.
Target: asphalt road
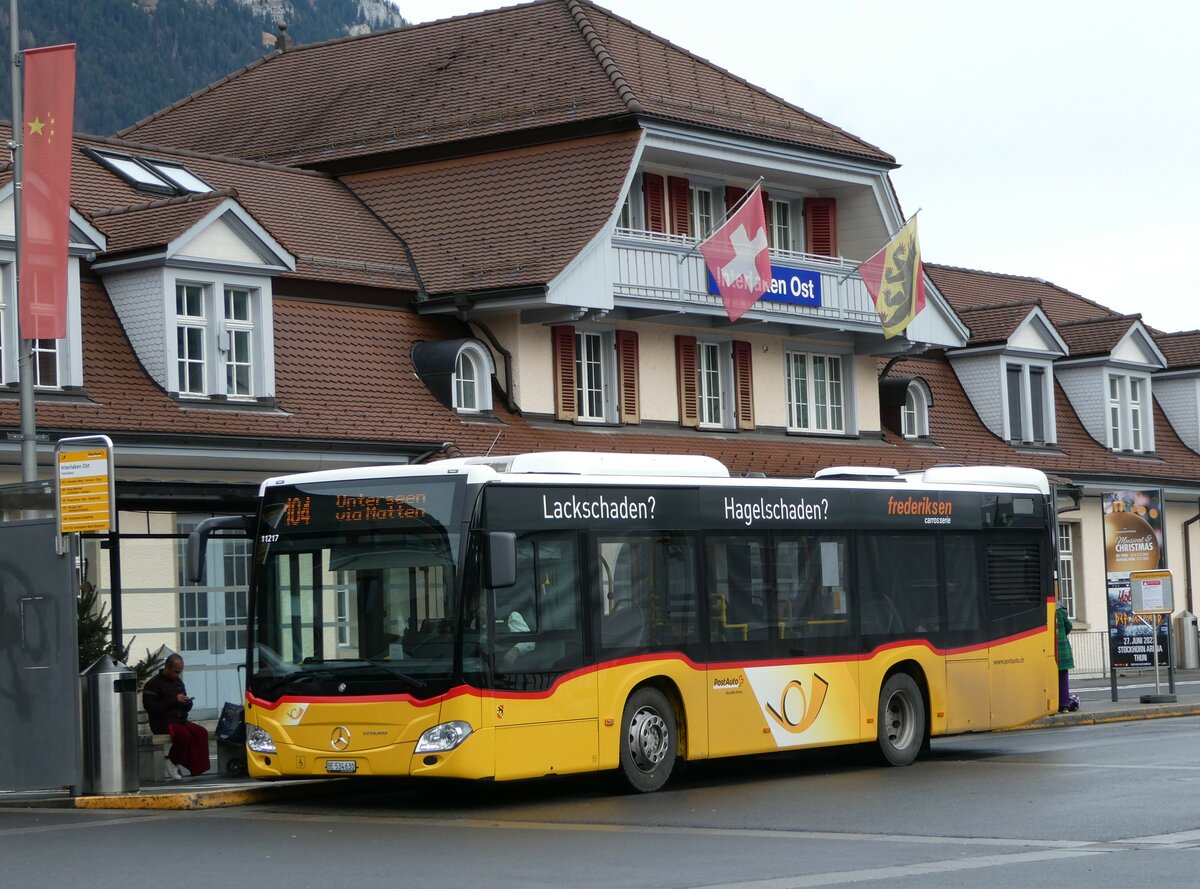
x,y
1083,806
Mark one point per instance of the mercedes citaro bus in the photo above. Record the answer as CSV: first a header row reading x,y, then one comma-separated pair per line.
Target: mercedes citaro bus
x,y
554,613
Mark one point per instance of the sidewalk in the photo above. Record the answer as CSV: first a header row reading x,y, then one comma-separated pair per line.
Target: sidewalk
x,y
214,790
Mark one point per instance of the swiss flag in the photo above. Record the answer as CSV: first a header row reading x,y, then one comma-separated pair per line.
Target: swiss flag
x,y
738,256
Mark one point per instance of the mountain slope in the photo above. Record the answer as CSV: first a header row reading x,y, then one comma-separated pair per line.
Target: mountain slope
x,y
136,56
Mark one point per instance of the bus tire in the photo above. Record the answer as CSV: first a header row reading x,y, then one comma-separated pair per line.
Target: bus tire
x,y
649,740
901,720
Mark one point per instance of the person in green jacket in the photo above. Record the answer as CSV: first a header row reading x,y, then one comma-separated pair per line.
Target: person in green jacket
x,y
1066,661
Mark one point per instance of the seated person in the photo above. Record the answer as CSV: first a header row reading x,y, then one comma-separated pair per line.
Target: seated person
x,y
517,624
167,703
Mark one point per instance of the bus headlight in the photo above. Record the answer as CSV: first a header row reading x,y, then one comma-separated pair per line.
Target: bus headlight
x,y
259,740
443,737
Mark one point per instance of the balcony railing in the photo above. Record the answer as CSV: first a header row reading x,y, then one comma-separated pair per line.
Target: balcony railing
x,y
660,268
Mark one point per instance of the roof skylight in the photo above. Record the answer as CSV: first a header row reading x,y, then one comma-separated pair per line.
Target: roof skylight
x,y
147,174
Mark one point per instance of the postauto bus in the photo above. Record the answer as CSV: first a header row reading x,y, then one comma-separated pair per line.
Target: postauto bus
x,y
553,613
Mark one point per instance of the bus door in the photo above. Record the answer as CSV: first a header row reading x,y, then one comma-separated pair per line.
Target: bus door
x,y
809,694
541,702
648,622
1018,586
968,690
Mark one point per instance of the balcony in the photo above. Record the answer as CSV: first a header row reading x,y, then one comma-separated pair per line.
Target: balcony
x,y
660,272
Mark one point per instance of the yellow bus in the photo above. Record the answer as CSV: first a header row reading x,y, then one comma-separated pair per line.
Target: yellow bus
x,y
552,613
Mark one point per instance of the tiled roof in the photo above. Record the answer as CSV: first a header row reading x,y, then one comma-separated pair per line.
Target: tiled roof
x,y
545,64
345,376
314,216
453,251
965,289
1182,349
995,324
155,223
1095,336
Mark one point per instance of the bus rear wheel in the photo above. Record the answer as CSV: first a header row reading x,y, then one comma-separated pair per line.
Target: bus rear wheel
x,y
648,740
901,720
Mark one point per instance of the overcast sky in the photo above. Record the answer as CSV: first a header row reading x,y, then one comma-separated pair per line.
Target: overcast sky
x,y
1056,139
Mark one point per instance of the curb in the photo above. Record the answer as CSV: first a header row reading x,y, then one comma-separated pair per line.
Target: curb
x,y
185,800
1062,720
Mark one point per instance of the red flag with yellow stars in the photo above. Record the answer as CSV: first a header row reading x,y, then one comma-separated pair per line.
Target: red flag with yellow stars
x,y
895,279
46,191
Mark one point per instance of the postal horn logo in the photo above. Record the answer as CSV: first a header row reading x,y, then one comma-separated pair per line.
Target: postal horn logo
x,y
799,710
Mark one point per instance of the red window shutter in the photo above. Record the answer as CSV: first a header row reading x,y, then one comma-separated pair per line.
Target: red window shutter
x,y
733,194
820,226
566,405
680,195
743,384
653,197
685,372
627,375
767,217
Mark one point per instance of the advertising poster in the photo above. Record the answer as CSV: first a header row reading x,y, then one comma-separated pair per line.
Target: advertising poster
x,y
1133,541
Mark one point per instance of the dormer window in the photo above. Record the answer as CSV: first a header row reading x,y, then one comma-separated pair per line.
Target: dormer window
x,y
914,416
458,373
466,383
1128,400
147,174
1028,397
214,340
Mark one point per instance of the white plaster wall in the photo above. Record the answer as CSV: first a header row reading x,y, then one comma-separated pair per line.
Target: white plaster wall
x,y
220,241
533,369
980,378
1085,389
657,372
866,394
861,230
138,298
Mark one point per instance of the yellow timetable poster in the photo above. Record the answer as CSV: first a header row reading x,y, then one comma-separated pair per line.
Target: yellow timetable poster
x,y
83,491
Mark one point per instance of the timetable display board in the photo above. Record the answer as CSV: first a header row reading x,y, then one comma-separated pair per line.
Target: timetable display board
x,y
84,474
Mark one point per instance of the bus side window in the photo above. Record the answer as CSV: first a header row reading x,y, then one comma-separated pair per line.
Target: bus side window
x,y
736,568
898,584
810,580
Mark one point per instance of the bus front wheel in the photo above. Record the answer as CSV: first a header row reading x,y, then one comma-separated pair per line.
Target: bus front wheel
x,y
901,720
648,740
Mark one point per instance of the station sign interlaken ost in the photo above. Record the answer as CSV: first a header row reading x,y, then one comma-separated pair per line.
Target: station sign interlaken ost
x,y
85,483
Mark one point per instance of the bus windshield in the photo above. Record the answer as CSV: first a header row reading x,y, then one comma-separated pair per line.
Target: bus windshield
x,y
355,586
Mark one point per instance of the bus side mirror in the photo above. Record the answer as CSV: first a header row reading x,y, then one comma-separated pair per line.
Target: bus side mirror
x,y
499,559
197,541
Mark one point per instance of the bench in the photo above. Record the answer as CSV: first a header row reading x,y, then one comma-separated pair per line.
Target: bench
x,y
152,750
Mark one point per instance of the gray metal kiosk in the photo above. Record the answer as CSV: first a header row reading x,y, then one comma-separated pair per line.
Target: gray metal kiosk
x,y
108,692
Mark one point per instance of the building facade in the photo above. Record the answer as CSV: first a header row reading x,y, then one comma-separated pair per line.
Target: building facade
x,y
490,247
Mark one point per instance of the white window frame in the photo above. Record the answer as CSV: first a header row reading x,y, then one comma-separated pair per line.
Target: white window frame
x,y
627,218
186,324
703,211
237,343
714,382
67,352
1128,412
806,396
595,372
914,414
1068,573
480,388
230,341
1025,401
783,237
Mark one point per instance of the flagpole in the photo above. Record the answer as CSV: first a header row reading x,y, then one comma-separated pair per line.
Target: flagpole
x,y
720,222
25,361
844,277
